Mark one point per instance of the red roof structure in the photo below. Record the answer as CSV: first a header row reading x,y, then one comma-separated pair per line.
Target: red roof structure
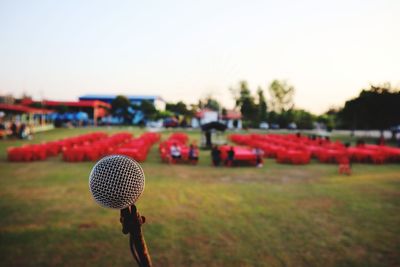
x,y
81,103
232,115
24,109
95,108
200,113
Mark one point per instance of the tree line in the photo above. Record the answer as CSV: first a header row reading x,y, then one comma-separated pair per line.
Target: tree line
x,y
377,107
279,109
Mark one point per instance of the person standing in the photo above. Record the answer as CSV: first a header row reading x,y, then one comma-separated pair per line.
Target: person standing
x,y
231,157
216,156
259,153
193,154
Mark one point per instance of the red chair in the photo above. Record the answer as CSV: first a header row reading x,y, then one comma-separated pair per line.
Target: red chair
x,y
377,157
344,165
130,152
165,156
53,148
15,153
27,153
38,152
74,154
68,154
91,153
79,153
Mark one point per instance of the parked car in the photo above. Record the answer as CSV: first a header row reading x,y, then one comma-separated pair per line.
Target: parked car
x,y
171,122
264,125
155,124
395,128
292,126
275,126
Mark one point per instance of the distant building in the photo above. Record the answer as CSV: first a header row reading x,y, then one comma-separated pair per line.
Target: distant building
x,y
37,118
204,116
95,109
233,119
7,99
157,101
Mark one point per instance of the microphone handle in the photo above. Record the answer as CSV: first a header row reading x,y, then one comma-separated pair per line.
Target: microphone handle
x,y
132,224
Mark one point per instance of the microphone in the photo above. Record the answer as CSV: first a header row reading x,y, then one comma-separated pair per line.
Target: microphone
x,y
117,182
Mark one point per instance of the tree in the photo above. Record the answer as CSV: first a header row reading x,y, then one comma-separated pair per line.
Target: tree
x,y
200,104
148,109
224,111
273,117
286,117
164,114
62,109
245,101
208,102
329,118
281,96
303,119
36,105
374,108
179,108
262,106
212,103
120,105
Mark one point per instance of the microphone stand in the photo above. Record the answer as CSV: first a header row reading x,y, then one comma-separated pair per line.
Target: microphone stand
x,y
132,224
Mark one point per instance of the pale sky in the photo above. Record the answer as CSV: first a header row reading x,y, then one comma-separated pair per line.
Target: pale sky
x,y
185,50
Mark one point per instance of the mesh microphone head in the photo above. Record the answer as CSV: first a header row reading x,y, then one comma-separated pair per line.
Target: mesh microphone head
x,y
116,181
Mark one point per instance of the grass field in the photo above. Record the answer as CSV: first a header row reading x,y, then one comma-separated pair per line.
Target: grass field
x,y
278,215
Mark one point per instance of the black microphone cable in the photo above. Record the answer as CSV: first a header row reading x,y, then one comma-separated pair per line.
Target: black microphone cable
x,y
131,224
133,250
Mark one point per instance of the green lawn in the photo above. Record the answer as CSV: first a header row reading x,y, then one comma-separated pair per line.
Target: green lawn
x,y
278,215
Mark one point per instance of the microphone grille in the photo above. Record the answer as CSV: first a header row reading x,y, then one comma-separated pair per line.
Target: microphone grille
x,y
116,181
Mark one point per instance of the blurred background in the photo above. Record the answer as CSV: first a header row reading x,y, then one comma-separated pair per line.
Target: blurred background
x,y
284,116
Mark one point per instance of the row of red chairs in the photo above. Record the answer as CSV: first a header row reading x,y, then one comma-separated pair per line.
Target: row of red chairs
x,y
293,156
290,149
139,148
285,149
26,153
374,153
297,149
44,150
92,151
